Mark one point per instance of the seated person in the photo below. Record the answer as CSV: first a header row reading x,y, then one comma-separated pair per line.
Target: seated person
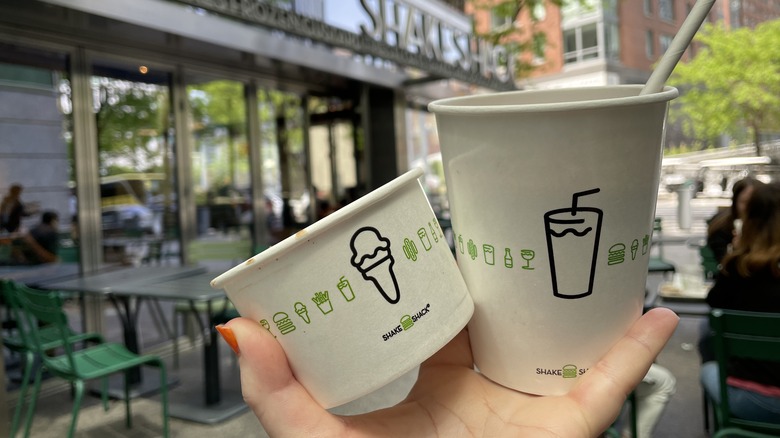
x,y
40,244
652,395
750,281
720,228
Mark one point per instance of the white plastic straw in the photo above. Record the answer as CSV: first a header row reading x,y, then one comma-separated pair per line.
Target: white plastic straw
x,y
676,49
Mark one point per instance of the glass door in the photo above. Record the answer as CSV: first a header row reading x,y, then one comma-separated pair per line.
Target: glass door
x,y
134,120
287,191
333,144
221,177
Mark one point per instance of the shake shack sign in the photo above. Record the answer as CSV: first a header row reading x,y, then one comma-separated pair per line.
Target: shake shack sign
x,y
389,29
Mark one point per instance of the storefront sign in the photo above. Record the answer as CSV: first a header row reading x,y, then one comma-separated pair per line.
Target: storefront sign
x,y
395,32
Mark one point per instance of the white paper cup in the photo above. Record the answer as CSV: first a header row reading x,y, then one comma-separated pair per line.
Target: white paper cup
x,y
554,194
360,297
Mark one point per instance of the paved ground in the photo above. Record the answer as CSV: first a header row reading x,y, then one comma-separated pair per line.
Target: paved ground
x,y
683,418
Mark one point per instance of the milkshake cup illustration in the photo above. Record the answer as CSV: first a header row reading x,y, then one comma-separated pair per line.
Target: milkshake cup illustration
x,y
572,244
426,241
346,289
301,310
372,257
489,253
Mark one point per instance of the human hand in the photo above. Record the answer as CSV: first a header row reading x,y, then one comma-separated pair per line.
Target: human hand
x,y
450,399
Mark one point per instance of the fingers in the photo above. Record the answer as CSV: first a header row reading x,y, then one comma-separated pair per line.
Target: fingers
x,y
604,388
281,403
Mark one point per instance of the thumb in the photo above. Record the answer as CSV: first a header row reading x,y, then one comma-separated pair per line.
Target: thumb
x,y
279,401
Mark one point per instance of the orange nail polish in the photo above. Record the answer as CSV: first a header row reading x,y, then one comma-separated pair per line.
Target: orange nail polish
x,y
228,336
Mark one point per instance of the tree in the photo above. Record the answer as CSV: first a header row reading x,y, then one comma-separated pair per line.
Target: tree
x,y
517,41
733,82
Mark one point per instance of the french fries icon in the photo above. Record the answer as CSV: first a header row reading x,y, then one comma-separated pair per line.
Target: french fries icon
x,y
322,300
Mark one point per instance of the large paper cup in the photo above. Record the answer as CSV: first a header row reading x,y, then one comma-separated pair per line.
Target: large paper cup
x,y
553,193
360,297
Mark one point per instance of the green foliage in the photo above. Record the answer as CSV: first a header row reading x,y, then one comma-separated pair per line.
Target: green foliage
x,y
130,116
510,36
732,83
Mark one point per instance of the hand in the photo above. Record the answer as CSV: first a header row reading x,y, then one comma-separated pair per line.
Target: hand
x,y
450,399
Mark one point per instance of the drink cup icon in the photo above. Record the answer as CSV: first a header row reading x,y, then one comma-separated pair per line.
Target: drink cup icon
x,y
346,289
572,245
424,239
490,254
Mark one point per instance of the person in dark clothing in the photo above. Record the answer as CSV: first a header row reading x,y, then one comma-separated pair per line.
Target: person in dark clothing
x,y
12,209
40,245
750,280
720,229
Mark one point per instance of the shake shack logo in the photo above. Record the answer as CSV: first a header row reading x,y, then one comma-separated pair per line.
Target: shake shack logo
x,y
567,371
406,323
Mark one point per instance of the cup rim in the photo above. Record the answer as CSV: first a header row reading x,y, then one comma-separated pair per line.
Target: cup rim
x,y
318,227
469,105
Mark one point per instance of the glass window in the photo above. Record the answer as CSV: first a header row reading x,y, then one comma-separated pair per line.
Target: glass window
x,y
285,175
332,143
649,44
664,41
612,41
666,9
590,41
581,43
36,157
220,164
570,45
139,207
648,7
501,16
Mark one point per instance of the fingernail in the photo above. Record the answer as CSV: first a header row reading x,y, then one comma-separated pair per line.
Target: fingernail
x,y
228,336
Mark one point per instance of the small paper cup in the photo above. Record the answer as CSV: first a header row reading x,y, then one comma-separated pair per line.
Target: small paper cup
x,y
360,297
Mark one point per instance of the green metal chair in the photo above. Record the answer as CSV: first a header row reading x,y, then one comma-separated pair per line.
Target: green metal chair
x,y
657,263
709,263
15,342
746,335
96,362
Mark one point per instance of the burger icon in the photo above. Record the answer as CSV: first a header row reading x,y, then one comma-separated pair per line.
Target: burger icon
x,y
283,323
406,322
617,254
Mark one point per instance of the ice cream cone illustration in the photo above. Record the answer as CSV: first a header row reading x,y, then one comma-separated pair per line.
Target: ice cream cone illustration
x,y
372,257
634,248
301,310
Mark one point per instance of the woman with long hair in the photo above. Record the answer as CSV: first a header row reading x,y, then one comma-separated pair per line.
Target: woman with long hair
x,y
750,280
720,231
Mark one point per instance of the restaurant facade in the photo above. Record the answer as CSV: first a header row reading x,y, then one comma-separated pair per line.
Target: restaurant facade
x,y
152,125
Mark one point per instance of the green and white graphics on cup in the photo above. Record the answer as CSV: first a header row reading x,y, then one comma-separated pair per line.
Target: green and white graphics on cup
x,y
552,195
360,297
